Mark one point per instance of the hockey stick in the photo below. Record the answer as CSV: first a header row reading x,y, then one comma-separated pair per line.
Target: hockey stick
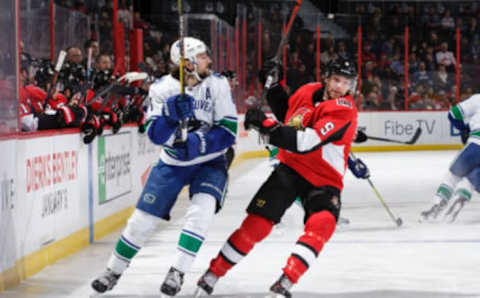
x,y
412,141
184,122
58,67
278,54
398,221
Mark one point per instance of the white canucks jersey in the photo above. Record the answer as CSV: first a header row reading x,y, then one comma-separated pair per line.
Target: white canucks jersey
x,y
213,106
469,112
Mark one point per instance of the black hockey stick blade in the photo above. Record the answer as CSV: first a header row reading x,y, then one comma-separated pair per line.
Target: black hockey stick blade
x,y
415,136
414,139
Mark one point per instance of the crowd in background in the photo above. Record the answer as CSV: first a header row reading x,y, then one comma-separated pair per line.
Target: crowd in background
x,y
432,61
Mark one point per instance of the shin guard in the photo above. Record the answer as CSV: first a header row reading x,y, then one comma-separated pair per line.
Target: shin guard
x,y
253,230
318,229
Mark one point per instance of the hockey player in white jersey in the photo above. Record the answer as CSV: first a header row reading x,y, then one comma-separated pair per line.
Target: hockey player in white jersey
x,y
464,172
198,162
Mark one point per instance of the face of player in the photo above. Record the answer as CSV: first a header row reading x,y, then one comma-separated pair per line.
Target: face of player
x,y
338,86
204,64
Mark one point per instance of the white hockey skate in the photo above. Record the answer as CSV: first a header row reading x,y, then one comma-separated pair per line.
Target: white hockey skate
x,y
453,211
205,284
432,213
173,282
105,282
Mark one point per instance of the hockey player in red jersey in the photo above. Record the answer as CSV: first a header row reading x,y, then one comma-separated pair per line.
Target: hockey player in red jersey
x,y
314,140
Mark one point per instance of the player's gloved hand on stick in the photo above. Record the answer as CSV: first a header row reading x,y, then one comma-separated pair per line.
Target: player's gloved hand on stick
x,y
358,168
194,146
270,67
256,119
360,137
179,108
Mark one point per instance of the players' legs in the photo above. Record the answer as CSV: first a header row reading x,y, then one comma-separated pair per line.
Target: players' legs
x,y
463,194
266,209
322,209
207,190
465,161
157,199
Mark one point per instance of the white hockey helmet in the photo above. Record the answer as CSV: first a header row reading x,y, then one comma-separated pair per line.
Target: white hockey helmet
x,y
192,47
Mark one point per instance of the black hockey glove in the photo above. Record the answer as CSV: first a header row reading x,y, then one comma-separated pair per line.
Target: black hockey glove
x,y
273,68
360,137
89,132
256,119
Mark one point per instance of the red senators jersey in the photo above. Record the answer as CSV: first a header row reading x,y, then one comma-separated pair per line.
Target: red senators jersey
x,y
324,137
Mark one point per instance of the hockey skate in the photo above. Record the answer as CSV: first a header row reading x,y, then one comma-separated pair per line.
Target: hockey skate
x,y
281,287
434,211
173,282
205,284
453,211
105,282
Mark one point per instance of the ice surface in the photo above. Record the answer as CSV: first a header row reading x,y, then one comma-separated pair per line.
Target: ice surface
x,y
370,257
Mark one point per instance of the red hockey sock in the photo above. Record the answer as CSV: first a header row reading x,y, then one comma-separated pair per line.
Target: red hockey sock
x,y
318,229
253,229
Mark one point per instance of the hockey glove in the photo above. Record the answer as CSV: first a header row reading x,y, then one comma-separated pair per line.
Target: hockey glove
x,y
178,108
360,137
272,68
195,146
359,168
256,119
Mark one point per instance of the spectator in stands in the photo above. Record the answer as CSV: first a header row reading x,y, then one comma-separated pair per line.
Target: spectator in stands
x,y
103,62
431,20
447,23
412,63
388,46
93,45
475,47
441,79
74,55
445,57
433,40
430,64
473,29
368,54
391,98
441,101
383,61
328,55
342,51
422,76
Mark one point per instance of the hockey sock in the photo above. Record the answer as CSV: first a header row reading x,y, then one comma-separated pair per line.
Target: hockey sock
x,y
253,230
318,229
140,227
122,255
197,220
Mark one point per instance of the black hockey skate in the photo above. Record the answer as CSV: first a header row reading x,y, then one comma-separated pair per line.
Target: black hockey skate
x,y
434,211
205,284
281,287
173,282
453,211
105,282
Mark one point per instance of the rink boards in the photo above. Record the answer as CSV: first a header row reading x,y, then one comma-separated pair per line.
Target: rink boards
x,y
58,194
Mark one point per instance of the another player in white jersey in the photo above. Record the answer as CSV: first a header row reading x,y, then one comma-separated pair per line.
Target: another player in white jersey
x,y
464,172
198,162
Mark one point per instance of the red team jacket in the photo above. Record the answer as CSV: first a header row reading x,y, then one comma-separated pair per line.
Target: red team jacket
x,y
335,120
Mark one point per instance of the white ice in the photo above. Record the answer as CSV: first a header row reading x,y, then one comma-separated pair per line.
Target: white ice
x,y
370,257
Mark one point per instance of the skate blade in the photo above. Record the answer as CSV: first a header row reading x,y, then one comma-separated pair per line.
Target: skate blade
x,y
199,292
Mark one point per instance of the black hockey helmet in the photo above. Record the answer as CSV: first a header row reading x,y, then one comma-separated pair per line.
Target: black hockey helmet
x,y
342,67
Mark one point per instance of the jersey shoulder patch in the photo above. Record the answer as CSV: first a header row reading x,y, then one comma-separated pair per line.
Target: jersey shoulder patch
x,y
342,101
